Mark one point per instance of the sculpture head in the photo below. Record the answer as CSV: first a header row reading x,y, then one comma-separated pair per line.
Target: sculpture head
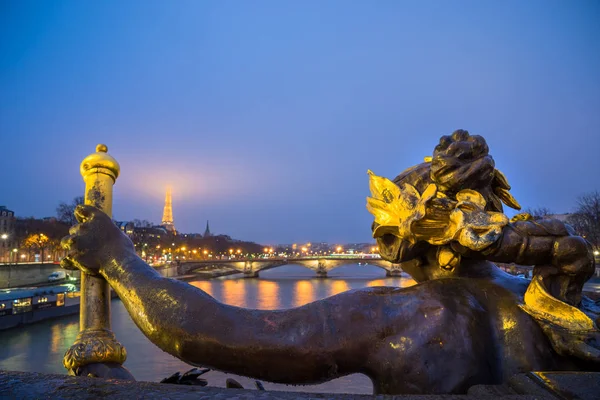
x,y
455,194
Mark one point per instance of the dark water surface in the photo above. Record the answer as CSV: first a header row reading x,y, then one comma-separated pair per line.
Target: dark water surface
x,y
40,347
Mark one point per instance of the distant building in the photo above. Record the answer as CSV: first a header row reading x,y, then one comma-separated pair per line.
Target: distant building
x,y
148,237
150,232
7,233
207,233
125,227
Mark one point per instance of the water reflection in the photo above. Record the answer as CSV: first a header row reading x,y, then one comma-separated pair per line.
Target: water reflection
x,y
204,285
304,293
338,286
70,332
55,338
396,282
268,295
234,292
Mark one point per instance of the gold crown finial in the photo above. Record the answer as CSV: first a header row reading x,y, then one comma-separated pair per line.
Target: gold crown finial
x,y
100,162
101,148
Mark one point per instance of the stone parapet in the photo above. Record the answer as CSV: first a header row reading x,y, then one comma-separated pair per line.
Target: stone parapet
x,y
29,385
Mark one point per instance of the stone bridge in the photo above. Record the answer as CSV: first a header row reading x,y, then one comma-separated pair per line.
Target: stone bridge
x,y
251,267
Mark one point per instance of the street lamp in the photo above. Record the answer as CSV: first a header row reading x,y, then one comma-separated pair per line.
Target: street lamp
x,y
4,236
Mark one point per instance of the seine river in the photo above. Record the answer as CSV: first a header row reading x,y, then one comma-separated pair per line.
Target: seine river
x,y
40,347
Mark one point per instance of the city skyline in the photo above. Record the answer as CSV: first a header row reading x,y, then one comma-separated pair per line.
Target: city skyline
x,y
265,118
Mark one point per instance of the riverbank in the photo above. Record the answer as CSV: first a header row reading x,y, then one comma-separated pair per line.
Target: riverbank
x,y
34,274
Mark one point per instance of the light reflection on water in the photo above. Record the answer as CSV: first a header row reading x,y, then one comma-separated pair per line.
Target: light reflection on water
x,y
40,347
338,286
304,293
234,292
268,295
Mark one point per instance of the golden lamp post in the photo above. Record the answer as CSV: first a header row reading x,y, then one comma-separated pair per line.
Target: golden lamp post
x,y
96,351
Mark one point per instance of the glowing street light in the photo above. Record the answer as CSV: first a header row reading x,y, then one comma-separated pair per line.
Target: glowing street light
x,y
338,249
4,236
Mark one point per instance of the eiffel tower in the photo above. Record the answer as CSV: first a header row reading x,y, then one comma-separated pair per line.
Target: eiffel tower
x,y
167,219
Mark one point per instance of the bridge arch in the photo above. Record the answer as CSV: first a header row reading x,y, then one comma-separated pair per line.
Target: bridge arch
x,y
296,268
251,268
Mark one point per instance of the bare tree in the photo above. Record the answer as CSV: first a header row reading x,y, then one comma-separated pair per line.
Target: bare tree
x,y
65,212
586,218
142,224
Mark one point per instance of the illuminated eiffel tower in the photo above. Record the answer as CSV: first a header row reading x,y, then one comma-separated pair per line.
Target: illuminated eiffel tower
x,y
167,219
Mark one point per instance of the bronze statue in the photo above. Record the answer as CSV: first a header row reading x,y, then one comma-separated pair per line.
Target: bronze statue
x,y
465,323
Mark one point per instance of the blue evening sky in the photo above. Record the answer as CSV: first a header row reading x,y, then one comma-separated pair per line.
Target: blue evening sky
x,y
264,116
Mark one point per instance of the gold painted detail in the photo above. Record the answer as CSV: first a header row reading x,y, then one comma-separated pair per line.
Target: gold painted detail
x,y
432,216
94,346
541,305
100,162
521,217
447,258
501,189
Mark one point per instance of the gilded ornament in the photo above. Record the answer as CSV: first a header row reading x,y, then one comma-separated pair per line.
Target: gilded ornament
x,y
432,216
